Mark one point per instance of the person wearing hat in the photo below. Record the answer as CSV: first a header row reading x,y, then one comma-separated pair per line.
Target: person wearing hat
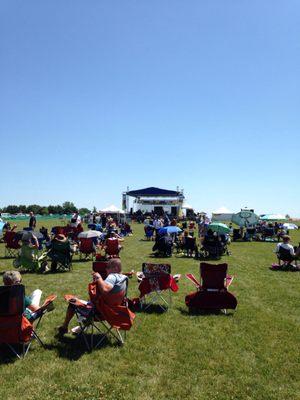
x,y
285,245
64,248
292,252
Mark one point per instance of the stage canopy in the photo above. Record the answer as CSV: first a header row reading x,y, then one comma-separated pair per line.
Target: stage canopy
x,y
153,192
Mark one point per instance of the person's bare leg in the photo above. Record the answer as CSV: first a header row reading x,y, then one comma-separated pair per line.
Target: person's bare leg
x,y
69,315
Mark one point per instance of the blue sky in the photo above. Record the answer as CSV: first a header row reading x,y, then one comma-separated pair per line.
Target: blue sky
x,y
100,95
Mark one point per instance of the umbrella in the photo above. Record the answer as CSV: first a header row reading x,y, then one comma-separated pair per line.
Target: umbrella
x,y
169,230
95,227
245,218
27,235
218,227
273,217
290,226
89,234
1,225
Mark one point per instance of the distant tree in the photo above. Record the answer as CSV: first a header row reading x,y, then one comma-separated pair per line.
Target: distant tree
x,y
83,211
94,209
69,207
287,216
35,208
44,211
22,208
59,209
55,209
52,209
11,209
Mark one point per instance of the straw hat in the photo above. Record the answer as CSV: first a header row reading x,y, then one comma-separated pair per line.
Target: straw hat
x,y
61,238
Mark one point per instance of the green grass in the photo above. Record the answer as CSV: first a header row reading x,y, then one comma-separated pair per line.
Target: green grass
x,y
251,354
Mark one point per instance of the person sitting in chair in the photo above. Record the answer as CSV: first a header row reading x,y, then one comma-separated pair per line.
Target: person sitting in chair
x,y
32,302
113,289
163,245
29,240
287,248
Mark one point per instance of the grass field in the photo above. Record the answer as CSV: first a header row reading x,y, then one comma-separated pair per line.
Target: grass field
x,y
251,354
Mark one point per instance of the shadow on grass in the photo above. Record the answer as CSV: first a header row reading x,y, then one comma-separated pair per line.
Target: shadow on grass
x,y
72,348
82,260
196,312
7,356
286,269
158,255
150,309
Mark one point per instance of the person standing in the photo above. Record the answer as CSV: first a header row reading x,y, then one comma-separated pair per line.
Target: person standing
x,y
32,221
103,220
157,223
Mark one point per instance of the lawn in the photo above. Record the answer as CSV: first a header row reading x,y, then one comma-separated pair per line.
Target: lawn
x,y
251,354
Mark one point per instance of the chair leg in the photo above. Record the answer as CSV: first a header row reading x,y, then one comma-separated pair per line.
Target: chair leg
x,y
36,336
14,351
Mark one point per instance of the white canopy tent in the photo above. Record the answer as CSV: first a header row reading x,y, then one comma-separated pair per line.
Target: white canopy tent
x,y
112,209
222,214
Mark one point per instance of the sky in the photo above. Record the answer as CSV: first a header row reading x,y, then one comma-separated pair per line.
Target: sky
x,y
99,95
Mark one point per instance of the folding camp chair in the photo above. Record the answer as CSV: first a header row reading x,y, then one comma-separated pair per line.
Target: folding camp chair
x,y
112,249
97,316
60,255
156,281
284,256
15,328
86,247
12,245
189,245
100,267
285,261
59,230
212,293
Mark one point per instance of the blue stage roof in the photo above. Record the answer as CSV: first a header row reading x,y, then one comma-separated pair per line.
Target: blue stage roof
x,y
153,191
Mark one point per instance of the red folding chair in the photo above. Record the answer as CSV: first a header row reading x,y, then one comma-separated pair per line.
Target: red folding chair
x,y
12,244
212,290
112,247
100,267
108,316
15,328
86,248
156,281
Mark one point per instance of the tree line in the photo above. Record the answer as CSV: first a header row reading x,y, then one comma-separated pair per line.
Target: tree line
x,y
66,208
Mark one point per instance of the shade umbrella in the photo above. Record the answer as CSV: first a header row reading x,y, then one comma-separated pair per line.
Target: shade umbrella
x,y
290,226
89,234
245,218
169,230
273,217
95,227
219,227
1,225
27,235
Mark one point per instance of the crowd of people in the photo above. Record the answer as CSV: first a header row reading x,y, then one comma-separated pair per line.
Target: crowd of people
x,y
67,239
191,238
